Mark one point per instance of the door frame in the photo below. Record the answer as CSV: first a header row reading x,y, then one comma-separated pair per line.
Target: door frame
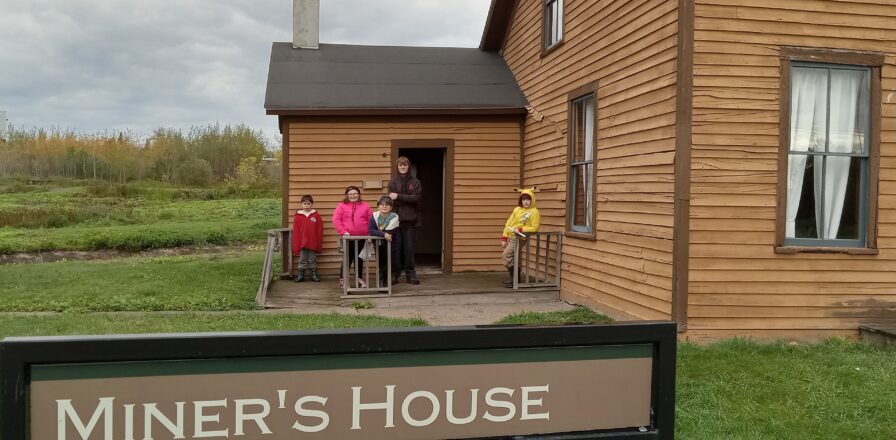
x,y
447,189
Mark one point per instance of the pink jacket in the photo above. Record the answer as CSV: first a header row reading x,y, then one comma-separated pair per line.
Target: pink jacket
x,y
352,218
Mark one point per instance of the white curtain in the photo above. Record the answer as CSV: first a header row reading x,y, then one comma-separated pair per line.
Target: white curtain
x,y
808,128
588,170
808,125
845,138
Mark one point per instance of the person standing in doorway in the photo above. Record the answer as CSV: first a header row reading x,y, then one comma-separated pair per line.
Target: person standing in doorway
x,y
406,192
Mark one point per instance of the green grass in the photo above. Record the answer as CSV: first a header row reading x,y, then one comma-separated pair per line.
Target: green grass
x,y
740,389
133,323
132,217
196,283
579,315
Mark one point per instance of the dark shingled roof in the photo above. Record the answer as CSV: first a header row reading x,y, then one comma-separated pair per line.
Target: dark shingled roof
x,y
349,77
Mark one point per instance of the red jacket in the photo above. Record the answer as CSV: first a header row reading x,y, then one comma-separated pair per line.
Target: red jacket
x,y
307,232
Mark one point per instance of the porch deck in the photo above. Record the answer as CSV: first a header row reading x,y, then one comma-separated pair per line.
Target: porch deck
x,y
434,289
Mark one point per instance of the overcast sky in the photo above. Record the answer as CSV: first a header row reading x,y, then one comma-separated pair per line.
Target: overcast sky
x,y
97,65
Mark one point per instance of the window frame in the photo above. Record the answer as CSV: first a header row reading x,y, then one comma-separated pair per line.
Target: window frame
x,y
546,45
575,96
794,57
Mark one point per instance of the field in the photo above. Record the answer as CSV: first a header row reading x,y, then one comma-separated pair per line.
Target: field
x,y
80,216
735,389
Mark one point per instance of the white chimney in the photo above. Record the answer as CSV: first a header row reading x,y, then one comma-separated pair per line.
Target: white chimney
x,y
305,24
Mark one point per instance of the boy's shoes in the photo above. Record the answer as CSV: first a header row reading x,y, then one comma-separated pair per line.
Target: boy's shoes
x,y
362,284
395,280
300,277
314,276
413,279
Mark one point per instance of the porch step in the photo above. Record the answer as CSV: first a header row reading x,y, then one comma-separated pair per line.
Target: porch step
x,y
881,335
424,299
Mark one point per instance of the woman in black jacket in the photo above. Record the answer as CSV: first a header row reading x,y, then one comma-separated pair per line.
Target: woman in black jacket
x,y
406,192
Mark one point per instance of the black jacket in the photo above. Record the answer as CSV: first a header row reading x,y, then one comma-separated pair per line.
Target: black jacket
x,y
410,193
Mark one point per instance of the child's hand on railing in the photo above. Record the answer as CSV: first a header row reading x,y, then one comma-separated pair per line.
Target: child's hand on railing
x,y
387,236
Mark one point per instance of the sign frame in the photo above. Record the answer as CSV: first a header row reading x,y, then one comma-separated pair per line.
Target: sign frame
x,y
19,354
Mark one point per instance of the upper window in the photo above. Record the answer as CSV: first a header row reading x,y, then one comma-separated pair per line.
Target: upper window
x,y
830,145
553,23
581,164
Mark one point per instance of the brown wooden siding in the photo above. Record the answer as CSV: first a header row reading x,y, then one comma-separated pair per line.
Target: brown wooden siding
x,y
326,154
738,284
629,48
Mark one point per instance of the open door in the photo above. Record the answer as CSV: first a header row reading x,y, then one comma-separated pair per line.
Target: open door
x,y
428,164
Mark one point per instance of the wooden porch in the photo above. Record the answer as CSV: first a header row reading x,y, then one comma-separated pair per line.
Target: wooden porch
x,y
467,288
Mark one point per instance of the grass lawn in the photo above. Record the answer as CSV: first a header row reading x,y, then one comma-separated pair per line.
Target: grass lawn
x,y
740,389
132,323
131,218
731,390
189,283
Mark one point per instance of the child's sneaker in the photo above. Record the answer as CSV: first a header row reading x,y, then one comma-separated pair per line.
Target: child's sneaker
x,y
362,284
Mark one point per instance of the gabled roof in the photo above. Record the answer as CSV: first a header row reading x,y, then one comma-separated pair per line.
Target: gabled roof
x,y
495,32
351,79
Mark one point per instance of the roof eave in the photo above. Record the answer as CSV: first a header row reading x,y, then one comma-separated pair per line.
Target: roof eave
x,y
395,111
496,25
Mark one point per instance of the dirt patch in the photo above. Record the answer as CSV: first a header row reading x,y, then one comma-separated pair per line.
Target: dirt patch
x,y
108,254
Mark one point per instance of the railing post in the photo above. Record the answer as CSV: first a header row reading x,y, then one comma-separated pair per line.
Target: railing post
x,y
344,269
559,259
516,263
388,267
538,256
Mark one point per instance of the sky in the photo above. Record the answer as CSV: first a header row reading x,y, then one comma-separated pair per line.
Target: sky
x,y
109,65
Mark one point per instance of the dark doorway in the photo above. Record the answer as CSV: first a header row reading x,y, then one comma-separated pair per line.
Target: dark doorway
x,y
428,164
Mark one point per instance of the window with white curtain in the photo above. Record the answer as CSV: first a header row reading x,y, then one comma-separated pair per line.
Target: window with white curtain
x,y
828,155
581,164
553,22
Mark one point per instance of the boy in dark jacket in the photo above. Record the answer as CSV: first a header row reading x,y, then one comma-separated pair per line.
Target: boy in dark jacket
x,y
406,193
384,223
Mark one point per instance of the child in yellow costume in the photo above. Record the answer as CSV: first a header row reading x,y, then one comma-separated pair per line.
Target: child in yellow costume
x,y
524,219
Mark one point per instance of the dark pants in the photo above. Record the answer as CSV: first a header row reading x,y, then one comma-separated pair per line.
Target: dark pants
x,y
406,237
383,264
354,248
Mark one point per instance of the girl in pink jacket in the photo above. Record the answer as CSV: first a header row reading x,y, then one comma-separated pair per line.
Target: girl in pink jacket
x,y
350,218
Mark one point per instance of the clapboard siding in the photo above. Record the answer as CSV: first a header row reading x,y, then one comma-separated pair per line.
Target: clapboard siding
x,y
628,47
328,154
738,284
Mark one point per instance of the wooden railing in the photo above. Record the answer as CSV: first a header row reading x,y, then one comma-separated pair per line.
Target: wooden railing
x,y
537,260
372,242
278,240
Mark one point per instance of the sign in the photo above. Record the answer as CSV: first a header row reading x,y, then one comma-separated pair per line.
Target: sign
x,y
598,381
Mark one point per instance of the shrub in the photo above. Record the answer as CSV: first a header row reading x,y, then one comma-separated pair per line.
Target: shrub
x,y
194,172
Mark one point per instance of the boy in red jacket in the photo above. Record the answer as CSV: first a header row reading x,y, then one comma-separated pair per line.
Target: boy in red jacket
x,y
307,237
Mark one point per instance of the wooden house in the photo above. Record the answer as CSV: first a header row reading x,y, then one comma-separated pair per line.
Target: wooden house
x,y
728,165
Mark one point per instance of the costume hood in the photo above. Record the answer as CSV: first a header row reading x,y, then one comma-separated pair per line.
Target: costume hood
x,y
529,192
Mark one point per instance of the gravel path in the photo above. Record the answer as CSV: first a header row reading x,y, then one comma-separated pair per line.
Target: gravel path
x,y
442,315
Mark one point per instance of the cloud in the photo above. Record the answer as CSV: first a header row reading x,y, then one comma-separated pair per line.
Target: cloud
x,y
95,65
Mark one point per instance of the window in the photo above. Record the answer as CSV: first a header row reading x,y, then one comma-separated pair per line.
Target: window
x,y
582,134
831,152
553,23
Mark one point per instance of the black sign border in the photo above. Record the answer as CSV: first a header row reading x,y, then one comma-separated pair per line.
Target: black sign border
x,y
18,354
